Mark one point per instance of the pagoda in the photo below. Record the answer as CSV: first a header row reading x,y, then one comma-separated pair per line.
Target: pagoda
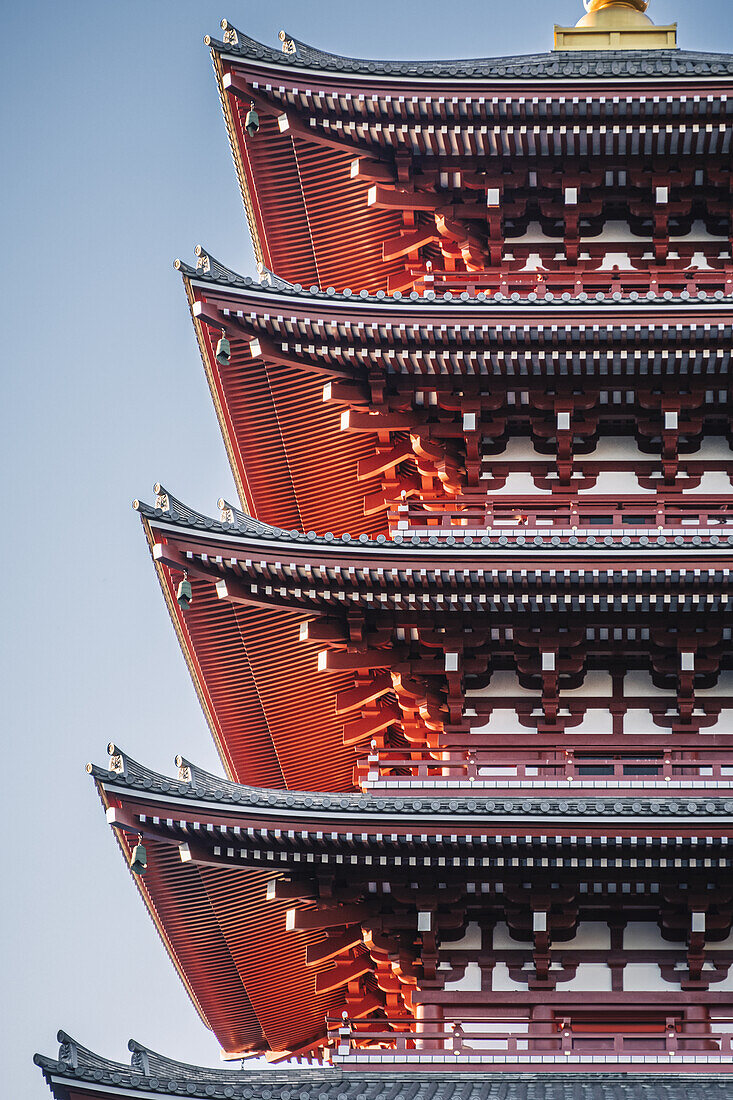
x,y
464,643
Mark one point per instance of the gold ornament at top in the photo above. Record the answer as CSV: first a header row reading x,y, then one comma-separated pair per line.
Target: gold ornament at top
x,y
596,5
616,25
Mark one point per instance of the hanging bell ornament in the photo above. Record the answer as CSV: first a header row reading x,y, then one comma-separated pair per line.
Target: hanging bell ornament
x,y
139,859
223,352
252,121
184,594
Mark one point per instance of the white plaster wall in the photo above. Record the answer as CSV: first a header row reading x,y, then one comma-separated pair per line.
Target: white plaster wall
x,y
644,978
617,483
501,982
519,483
534,234
621,261
595,683
470,942
724,686
502,720
645,936
595,722
714,449
518,449
698,232
640,683
504,685
590,978
713,481
470,982
722,945
615,449
591,936
503,941
641,721
726,986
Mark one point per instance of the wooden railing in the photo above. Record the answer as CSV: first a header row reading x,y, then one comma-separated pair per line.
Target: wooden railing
x,y
658,281
500,1041
476,768
530,516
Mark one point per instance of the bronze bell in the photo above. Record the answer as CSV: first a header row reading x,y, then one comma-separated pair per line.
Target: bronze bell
x,y
139,860
184,594
252,121
223,352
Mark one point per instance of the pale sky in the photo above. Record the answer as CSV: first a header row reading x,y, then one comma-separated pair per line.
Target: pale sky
x,y
117,161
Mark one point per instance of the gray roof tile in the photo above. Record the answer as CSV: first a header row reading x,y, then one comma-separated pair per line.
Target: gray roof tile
x,y
210,270
180,515
210,788
556,65
150,1072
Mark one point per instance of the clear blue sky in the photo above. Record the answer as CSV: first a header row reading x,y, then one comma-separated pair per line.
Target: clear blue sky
x,y
116,161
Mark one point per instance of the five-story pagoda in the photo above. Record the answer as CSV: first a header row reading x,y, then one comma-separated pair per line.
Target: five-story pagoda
x,y
476,823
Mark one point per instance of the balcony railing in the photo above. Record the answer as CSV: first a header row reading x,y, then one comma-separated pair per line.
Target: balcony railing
x,y
657,281
529,518
505,1043
398,770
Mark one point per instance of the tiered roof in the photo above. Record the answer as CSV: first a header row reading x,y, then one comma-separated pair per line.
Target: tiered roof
x,y
320,384
310,211
218,854
259,664
276,891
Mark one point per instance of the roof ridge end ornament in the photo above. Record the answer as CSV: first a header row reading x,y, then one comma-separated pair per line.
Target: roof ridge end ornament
x,y
289,44
176,509
208,265
68,1050
139,1059
116,759
185,770
229,513
231,36
269,278
162,497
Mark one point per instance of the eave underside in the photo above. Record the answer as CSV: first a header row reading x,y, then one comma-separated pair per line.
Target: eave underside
x,y
255,678
293,465
227,942
299,198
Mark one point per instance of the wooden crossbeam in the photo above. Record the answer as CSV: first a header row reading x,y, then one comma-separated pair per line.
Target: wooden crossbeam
x,y
341,973
310,920
316,953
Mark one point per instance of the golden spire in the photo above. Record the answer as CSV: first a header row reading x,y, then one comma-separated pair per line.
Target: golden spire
x,y
619,14
615,25
596,5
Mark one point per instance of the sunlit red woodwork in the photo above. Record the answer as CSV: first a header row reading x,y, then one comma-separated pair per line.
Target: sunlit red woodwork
x,y
397,176
422,923
406,647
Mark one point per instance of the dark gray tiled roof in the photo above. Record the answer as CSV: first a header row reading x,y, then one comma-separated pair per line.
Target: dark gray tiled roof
x,y
210,788
180,515
558,65
150,1072
210,270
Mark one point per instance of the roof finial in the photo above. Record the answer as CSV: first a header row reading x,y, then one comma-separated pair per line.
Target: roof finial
x,y
597,5
615,25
